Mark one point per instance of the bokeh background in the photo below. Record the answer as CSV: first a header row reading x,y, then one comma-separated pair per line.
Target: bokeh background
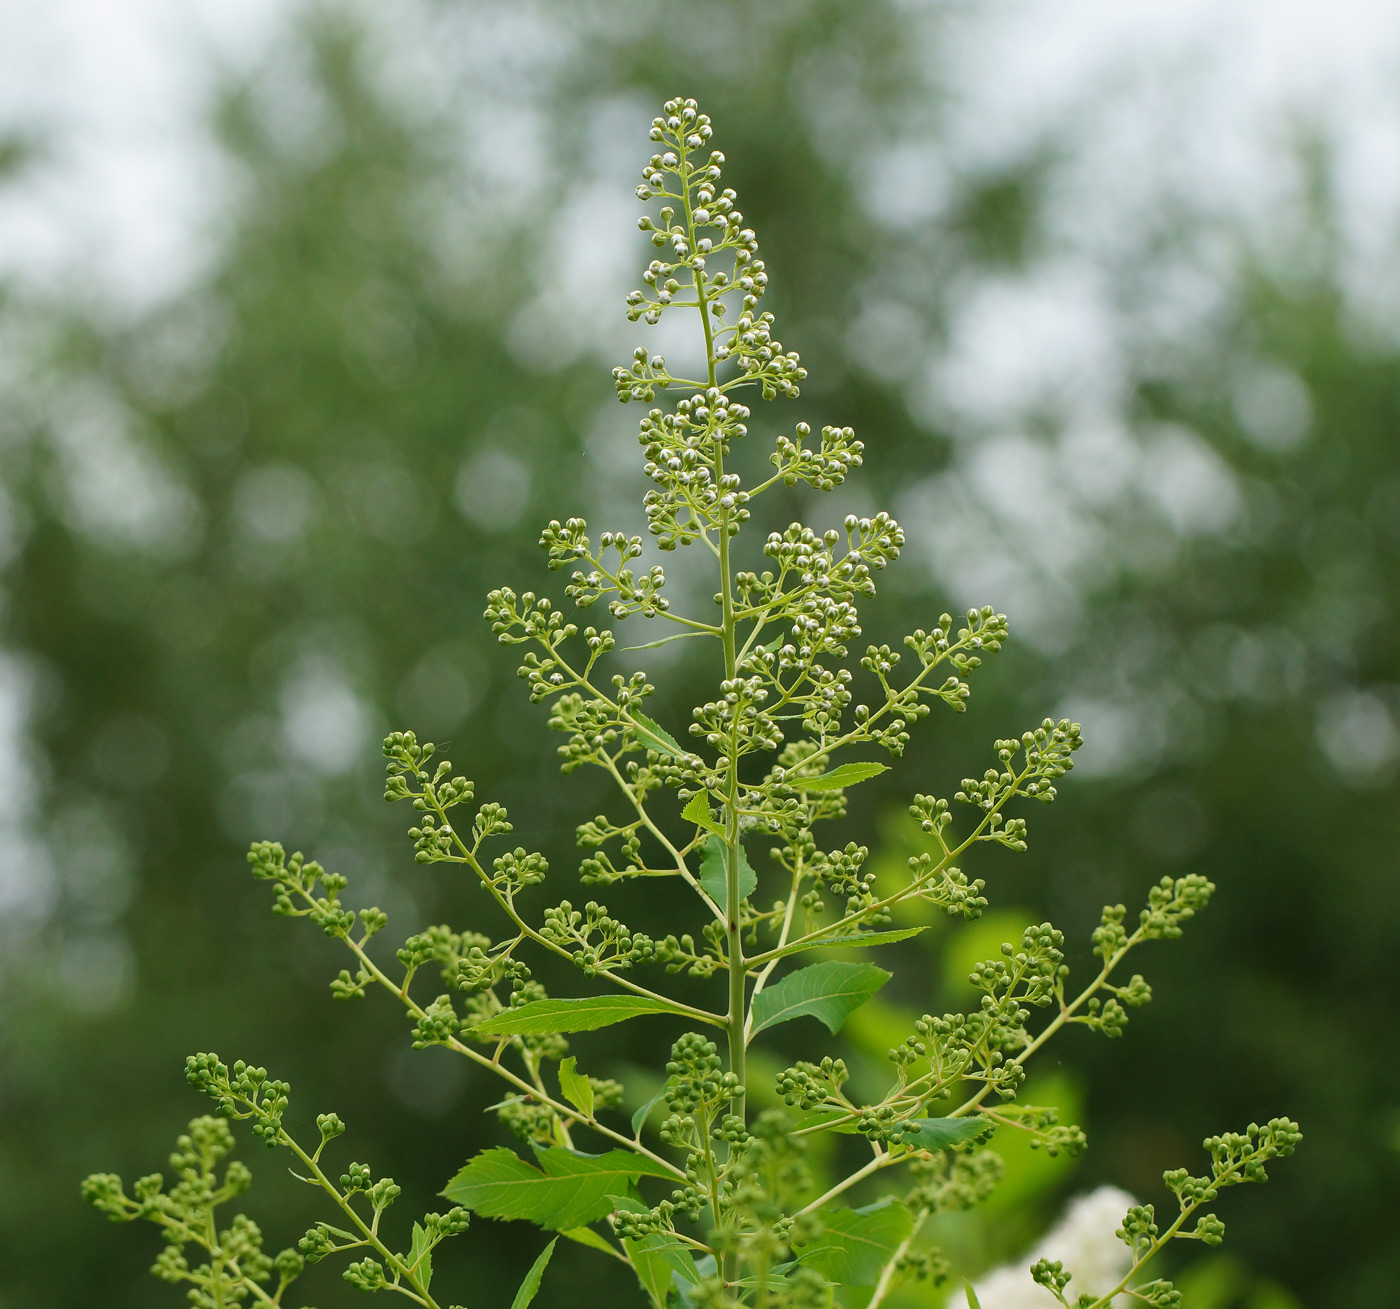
x,y
306,313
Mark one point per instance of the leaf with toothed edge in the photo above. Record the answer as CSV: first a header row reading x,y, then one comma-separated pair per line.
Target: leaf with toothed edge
x,y
578,1090
837,778
547,1017
829,992
714,877
567,1190
655,737
851,940
697,811
936,1133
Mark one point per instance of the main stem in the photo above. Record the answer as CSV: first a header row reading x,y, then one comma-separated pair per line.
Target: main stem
x,y
735,1025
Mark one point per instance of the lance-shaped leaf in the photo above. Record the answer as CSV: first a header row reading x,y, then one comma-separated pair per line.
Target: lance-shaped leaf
x,y
936,1133
655,737
829,992
837,778
529,1288
714,876
578,1090
420,1258
568,1189
856,1244
587,1236
639,1118
972,1301
850,941
545,1017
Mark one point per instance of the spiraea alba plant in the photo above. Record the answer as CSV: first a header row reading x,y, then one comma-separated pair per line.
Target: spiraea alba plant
x,y
711,1203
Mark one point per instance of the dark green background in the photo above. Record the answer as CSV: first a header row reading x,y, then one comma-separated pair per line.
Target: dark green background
x,y
156,677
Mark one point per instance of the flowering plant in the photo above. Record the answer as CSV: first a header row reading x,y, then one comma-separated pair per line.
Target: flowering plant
x,y
711,1204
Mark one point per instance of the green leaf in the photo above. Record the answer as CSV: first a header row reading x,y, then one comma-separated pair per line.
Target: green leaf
x,y
531,1285
639,1118
845,775
857,1243
935,1133
655,737
665,640
545,1017
420,1258
713,876
972,1301
568,1190
578,1090
852,940
587,1236
829,992
697,811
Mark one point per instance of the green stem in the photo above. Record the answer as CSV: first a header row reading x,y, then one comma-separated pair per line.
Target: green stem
x,y
735,949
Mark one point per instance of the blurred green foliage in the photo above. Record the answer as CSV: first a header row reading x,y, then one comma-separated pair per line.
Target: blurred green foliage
x,y
212,664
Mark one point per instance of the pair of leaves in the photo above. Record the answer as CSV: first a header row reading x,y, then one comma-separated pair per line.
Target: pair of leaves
x,y
697,809
655,737
568,1190
829,992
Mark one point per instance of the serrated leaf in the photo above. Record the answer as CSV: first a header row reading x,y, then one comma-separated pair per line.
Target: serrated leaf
x,y
845,775
852,941
829,992
567,1190
587,1236
714,878
697,810
972,1301
640,1117
578,1090
655,737
529,1288
936,1133
856,1244
546,1017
